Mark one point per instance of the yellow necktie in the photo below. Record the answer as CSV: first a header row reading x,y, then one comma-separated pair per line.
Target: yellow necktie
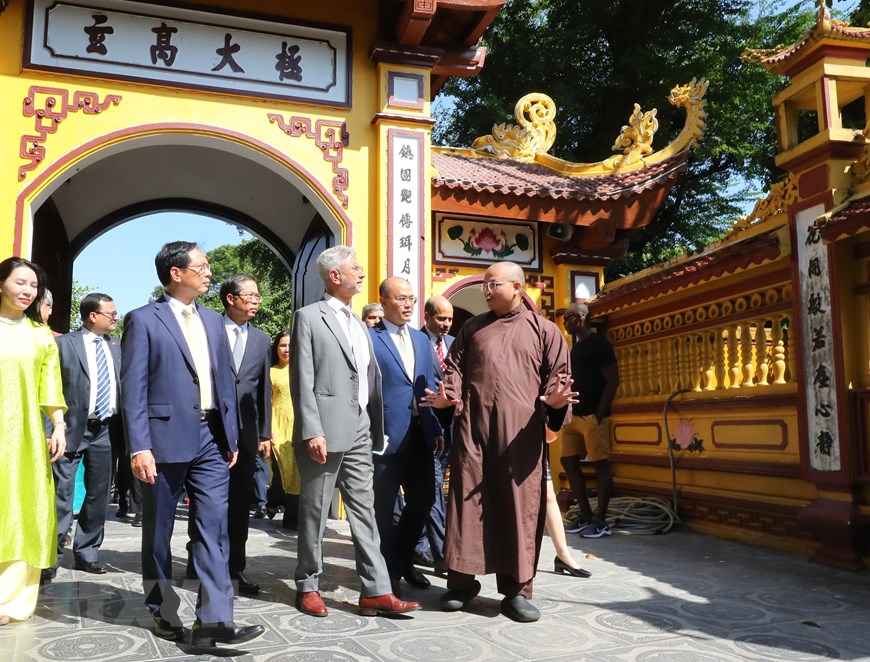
x,y
406,351
197,344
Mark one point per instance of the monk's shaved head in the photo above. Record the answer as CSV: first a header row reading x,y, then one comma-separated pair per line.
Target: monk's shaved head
x,y
509,271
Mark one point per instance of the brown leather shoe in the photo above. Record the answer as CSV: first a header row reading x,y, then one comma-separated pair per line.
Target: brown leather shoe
x,y
311,603
385,605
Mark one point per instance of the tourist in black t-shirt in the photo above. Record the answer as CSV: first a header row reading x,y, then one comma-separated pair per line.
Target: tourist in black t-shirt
x,y
586,437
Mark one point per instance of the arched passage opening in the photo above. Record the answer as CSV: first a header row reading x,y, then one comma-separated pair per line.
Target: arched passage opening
x,y
141,170
468,301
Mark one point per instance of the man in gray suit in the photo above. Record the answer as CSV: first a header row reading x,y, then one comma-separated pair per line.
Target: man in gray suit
x,y
335,386
90,362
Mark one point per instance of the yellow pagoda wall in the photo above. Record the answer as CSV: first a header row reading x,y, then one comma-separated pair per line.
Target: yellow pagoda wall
x,y
134,111
722,351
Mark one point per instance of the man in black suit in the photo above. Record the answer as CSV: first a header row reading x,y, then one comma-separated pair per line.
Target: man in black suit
x,y
251,351
178,397
90,360
438,318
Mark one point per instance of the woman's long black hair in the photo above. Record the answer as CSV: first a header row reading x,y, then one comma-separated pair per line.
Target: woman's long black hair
x,y
9,265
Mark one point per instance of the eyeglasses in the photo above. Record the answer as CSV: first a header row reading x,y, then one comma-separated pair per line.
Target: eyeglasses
x,y
492,285
199,268
250,297
111,316
403,300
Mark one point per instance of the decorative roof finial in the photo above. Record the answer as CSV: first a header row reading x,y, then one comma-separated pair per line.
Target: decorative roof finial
x,y
534,135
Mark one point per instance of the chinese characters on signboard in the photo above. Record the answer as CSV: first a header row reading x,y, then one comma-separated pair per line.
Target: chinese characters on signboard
x,y
187,47
405,207
818,346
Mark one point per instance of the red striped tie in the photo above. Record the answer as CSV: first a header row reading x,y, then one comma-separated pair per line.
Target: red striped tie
x,y
439,352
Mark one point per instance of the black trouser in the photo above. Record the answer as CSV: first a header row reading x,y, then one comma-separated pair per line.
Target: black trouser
x,y
95,450
410,468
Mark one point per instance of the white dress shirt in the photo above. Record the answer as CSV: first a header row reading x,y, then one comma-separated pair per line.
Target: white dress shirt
x,y
88,338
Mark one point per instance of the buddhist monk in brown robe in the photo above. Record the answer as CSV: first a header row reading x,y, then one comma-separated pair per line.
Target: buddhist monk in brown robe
x,y
507,377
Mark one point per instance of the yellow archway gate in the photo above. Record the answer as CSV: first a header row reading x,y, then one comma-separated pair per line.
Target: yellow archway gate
x,y
79,145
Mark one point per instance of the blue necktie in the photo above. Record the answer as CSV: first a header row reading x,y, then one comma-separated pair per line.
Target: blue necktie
x,y
104,385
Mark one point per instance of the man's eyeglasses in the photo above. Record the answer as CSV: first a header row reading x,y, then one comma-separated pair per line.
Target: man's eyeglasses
x,y
250,297
199,268
111,316
403,300
493,285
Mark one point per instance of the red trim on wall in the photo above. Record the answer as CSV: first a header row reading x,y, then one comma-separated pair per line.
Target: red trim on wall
x,y
55,108
827,51
331,138
843,409
170,128
618,426
813,182
684,461
783,440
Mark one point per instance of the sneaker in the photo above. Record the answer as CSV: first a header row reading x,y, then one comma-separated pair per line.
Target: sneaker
x,y
597,530
578,525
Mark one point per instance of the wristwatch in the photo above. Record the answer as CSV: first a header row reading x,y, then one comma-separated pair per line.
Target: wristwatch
x,y
60,424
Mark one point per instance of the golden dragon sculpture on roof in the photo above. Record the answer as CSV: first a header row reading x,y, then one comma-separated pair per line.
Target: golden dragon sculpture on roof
x,y
532,137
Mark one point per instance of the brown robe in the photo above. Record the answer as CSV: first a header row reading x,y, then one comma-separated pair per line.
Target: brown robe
x,y
498,367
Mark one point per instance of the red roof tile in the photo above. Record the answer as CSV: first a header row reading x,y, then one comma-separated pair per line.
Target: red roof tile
x,y
726,259
510,177
849,221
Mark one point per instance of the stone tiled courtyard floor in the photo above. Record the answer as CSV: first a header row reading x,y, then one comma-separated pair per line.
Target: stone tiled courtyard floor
x,y
679,596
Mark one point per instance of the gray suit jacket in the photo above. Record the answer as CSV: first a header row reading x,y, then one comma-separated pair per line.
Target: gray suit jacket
x,y
77,386
323,381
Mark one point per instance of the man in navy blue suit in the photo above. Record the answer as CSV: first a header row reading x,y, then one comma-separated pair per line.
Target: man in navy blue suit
x,y
438,318
413,433
178,401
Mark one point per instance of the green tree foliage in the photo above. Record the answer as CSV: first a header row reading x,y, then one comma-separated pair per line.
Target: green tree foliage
x,y
78,293
273,280
596,59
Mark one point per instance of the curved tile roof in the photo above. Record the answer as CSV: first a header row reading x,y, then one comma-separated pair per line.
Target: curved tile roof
x,y
518,178
729,258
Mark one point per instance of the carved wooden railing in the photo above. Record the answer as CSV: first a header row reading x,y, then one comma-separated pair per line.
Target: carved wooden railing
x,y
739,343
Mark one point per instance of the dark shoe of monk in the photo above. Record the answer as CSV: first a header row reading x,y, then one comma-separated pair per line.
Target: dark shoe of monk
x,y
166,630
206,635
246,586
386,605
311,603
519,609
456,599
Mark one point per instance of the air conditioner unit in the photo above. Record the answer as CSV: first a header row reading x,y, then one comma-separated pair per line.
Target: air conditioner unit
x,y
560,231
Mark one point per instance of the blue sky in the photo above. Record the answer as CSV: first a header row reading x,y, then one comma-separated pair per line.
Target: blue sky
x,y
120,262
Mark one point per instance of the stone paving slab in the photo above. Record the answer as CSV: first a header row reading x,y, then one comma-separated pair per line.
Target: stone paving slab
x,y
664,598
